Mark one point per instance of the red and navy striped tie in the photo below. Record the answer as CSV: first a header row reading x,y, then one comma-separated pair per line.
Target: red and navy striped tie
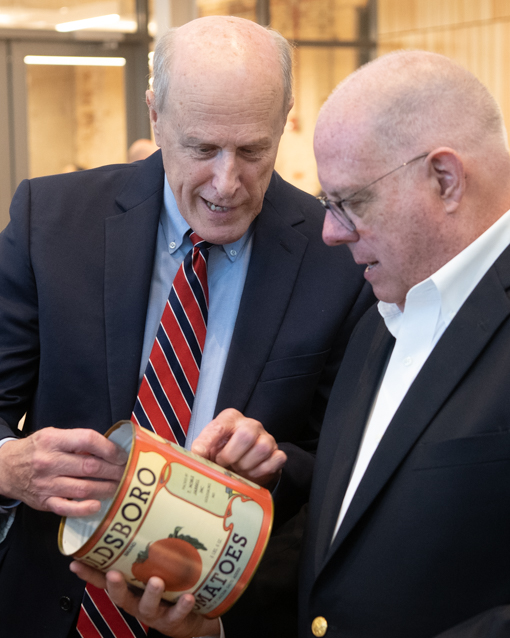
x,y
166,395
164,404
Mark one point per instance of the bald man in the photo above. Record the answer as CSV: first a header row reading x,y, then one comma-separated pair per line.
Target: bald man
x,y
409,520
141,149
86,266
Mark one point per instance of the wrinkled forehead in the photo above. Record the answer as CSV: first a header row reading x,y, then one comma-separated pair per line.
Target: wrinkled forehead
x,y
235,79
347,152
225,97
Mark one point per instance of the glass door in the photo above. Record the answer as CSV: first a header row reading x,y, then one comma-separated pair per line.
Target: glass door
x,y
72,105
76,113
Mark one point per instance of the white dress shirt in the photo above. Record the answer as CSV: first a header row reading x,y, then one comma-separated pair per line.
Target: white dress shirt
x,y
429,309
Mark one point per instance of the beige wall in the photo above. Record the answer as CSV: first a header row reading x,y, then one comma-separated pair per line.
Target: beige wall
x,y
317,72
51,118
475,33
240,8
76,115
100,116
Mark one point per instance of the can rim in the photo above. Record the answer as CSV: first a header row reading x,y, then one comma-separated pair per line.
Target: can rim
x,y
91,541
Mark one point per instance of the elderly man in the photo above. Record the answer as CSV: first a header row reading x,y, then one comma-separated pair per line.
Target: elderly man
x,y
87,265
409,521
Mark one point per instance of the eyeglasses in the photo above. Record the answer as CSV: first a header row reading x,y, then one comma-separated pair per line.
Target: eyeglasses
x,y
338,208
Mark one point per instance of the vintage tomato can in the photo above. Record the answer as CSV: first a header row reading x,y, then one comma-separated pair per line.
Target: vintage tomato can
x,y
198,526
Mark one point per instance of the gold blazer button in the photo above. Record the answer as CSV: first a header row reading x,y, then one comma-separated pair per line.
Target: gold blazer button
x,y
319,626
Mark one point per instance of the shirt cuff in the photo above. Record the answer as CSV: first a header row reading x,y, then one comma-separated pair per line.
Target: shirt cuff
x,y
220,635
7,504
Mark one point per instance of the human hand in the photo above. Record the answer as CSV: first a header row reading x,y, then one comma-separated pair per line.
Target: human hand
x,y
62,471
178,621
242,445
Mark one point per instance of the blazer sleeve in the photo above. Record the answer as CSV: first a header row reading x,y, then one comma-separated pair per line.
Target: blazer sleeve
x,y
19,336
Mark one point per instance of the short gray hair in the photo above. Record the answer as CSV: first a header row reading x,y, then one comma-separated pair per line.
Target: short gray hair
x,y
162,62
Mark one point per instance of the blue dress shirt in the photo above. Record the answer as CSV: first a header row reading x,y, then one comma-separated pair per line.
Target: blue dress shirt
x,y
226,274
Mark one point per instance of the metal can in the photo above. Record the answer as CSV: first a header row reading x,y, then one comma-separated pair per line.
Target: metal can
x,y
199,527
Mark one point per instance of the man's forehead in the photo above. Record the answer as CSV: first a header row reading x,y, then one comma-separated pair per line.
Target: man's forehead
x,y
253,111
226,88
344,169
350,158
347,141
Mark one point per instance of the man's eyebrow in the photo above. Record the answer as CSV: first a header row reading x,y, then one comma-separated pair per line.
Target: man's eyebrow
x,y
336,194
193,140
353,192
263,141
196,140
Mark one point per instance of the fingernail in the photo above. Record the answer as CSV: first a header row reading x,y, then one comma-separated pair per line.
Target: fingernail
x,y
188,601
199,449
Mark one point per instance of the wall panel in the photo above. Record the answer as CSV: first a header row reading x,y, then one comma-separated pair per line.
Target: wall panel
x,y
475,33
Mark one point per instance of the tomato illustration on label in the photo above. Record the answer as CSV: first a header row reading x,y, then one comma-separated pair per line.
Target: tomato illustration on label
x,y
175,559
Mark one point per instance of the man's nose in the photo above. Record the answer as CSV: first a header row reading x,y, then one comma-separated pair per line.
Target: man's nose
x,y
335,233
226,179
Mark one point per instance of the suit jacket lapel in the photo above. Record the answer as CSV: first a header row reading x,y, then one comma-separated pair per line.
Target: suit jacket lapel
x,y
468,334
129,256
276,257
344,440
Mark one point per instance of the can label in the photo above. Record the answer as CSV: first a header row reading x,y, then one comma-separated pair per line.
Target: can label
x,y
193,524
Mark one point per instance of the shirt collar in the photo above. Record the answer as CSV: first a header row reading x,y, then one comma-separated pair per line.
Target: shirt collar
x,y
175,228
452,284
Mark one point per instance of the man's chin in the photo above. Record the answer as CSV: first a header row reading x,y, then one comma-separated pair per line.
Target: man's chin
x,y
221,233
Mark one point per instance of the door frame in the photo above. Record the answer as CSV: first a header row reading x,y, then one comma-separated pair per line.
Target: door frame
x,y
6,156
14,164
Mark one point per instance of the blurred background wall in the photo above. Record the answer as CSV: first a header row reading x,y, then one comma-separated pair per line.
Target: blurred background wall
x,y
73,72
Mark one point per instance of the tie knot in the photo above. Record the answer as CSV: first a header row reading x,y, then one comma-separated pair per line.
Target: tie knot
x,y
198,242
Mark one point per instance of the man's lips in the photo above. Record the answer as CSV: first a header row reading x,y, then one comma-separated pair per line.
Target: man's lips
x,y
369,265
216,207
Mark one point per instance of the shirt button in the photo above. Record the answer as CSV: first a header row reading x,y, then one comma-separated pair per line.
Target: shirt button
x,y
408,361
233,252
172,245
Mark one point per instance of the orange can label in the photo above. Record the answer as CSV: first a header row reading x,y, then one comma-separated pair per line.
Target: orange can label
x,y
199,527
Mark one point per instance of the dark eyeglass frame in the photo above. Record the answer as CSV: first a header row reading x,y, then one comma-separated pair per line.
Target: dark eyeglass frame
x,y
337,207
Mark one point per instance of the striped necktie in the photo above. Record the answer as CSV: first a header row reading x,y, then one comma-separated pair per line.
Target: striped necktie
x,y
164,404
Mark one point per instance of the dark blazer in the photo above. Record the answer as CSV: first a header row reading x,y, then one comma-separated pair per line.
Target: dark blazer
x,y
75,271
424,545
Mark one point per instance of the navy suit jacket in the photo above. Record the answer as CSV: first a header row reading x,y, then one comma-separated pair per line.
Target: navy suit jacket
x,y
75,271
424,545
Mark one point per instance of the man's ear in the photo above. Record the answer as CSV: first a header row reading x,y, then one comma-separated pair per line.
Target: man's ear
x,y
291,104
448,170
286,114
153,114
